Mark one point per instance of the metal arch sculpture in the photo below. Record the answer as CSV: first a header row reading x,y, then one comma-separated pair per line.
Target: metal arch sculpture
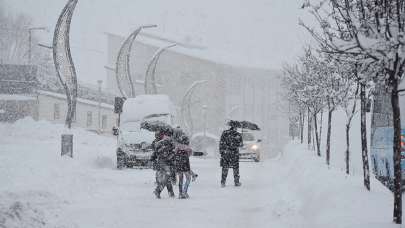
x,y
63,61
122,69
187,121
150,79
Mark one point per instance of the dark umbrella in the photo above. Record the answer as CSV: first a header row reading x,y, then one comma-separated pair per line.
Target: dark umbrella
x,y
243,124
155,126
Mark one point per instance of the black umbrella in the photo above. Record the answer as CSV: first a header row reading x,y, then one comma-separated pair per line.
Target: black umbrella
x,y
156,125
244,125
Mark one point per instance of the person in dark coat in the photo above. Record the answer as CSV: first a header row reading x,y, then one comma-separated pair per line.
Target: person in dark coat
x,y
182,164
163,158
229,145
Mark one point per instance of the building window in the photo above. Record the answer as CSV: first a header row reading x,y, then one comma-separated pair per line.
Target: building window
x,y
56,111
89,119
104,122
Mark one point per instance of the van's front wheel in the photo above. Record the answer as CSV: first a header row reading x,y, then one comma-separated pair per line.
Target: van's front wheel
x,y
120,159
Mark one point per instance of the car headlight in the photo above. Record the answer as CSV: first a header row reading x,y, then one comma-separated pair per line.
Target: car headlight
x,y
254,147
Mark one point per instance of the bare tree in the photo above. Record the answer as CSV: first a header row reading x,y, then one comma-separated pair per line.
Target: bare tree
x,y
349,106
372,32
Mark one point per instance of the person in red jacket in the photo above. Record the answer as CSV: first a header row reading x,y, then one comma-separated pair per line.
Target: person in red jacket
x,y
182,165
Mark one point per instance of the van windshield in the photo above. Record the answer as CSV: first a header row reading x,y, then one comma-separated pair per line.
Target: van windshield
x,y
248,137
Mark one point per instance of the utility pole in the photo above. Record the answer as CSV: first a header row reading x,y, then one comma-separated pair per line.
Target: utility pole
x,y
99,82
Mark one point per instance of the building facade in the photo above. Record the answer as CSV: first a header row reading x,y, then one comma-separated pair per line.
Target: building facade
x,y
230,92
21,95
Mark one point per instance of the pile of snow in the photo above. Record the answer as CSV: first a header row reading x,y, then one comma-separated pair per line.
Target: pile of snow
x,y
33,172
135,109
338,141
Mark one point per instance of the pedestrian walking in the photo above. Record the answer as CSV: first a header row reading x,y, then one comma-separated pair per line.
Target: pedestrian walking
x,y
229,145
163,158
182,165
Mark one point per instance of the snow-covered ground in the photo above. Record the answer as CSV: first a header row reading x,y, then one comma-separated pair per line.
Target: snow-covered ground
x,y
38,188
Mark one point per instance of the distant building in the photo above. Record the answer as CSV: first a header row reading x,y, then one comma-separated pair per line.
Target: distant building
x,y
235,92
21,95
17,92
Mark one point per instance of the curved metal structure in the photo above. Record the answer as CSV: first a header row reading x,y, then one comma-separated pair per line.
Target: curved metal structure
x,y
63,61
125,83
150,75
187,121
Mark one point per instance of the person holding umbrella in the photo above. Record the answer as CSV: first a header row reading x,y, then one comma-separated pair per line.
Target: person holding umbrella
x,y
163,156
229,145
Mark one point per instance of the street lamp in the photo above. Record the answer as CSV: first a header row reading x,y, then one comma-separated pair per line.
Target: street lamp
x,y
99,82
30,40
151,70
122,68
186,103
204,109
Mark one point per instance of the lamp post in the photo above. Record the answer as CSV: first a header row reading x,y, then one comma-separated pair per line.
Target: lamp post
x,y
30,40
99,82
122,68
186,103
204,109
151,70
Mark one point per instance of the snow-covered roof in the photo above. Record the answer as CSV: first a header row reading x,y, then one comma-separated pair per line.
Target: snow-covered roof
x,y
135,109
80,100
16,97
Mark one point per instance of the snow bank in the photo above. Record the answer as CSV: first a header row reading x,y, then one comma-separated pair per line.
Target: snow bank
x,y
338,141
329,198
33,173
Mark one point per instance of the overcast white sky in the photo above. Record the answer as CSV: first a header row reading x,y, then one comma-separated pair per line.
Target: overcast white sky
x,y
260,32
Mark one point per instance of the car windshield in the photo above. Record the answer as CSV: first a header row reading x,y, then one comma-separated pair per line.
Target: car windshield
x,y
130,126
248,137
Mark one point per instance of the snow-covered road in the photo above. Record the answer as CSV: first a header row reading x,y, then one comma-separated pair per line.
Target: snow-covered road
x,y
41,189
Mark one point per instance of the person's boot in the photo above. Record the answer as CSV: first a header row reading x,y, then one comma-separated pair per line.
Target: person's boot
x,y
172,195
157,194
223,185
194,176
238,184
186,196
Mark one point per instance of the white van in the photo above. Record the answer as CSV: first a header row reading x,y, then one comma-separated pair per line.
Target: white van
x,y
134,144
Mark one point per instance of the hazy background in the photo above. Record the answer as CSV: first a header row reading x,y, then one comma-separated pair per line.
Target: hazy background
x,y
260,33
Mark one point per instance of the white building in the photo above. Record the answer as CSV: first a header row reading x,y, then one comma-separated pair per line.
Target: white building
x,y
236,92
22,96
90,115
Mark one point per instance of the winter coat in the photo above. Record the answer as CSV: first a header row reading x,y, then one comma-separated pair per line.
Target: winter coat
x,y
163,153
229,145
181,158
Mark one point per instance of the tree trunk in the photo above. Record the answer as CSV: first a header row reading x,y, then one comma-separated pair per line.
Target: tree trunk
x,y
309,129
320,128
397,152
364,150
347,154
328,136
318,150
302,116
